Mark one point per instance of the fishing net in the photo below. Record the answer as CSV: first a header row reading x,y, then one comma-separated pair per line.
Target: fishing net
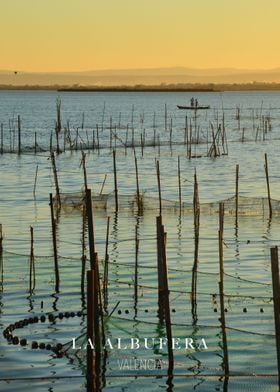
x,y
258,206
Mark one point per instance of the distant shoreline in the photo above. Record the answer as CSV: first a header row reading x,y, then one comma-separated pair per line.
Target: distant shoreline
x,y
151,88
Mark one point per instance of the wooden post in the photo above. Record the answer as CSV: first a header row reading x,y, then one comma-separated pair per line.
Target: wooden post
x,y
221,287
97,313
111,125
84,257
115,182
221,239
139,202
35,181
84,169
51,143
165,295
90,332
236,194
142,144
53,222
55,179
97,135
106,267
189,141
186,130
58,123
136,272
159,188
276,301
268,186
103,183
90,228
196,212
170,134
19,135
159,268
32,263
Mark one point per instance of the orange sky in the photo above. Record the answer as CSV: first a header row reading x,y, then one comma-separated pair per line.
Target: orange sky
x,y
71,35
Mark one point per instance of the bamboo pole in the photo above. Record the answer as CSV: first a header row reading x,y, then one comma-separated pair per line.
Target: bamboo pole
x,y
276,301
53,222
115,182
268,187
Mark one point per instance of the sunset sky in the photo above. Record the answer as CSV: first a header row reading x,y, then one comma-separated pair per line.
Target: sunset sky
x,y
72,35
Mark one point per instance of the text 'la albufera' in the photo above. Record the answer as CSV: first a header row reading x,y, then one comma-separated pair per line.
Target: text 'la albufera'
x,y
146,344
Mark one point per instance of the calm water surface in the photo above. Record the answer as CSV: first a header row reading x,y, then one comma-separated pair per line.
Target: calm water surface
x,y
126,118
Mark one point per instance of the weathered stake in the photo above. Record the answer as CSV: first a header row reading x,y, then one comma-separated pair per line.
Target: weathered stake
x,y
55,180
276,301
53,222
159,187
90,228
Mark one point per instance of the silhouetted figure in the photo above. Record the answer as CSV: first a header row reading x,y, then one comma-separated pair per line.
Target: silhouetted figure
x,y
196,103
192,102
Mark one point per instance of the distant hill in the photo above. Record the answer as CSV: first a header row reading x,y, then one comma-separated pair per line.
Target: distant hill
x,y
129,77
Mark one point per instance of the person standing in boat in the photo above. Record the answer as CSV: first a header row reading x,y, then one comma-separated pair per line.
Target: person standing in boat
x,y
192,102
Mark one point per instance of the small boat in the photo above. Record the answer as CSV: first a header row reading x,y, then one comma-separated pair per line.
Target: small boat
x,y
199,107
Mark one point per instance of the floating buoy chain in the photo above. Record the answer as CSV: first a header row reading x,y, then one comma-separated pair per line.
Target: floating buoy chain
x,y
56,348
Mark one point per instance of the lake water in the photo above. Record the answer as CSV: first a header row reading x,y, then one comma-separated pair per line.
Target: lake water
x,y
151,122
